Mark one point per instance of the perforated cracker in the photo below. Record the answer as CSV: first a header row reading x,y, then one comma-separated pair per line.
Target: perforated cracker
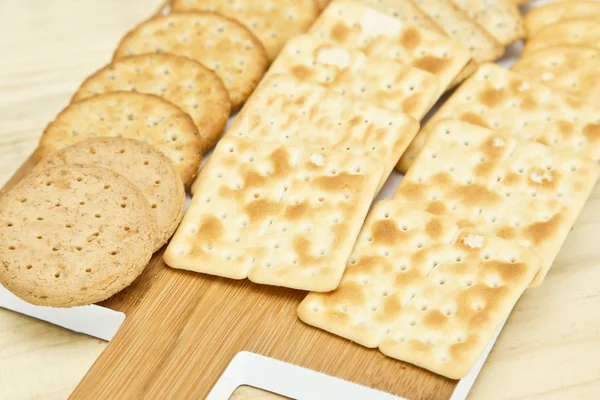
x,y
140,163
525,192
218,42
421,295
384,83
406,11
286,111
355,25
184,82
278,214
454,173
543,191
501,18
570,69
549,14
579,32
272,21
458,26
73,235
131,115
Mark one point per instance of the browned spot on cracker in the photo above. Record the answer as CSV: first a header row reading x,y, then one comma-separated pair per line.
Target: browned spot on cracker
x,y
474,119
335,183
435,318
339,33
491,97
434,229
411,38
542,231
302,249
301,72
296,212
592,132
211,228
261,208
508,232
431,64
386,232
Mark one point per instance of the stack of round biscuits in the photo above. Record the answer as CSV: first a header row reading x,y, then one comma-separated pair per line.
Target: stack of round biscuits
x,y
110,187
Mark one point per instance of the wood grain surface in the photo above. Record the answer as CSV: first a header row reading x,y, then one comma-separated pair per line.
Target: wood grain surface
x,y
549,348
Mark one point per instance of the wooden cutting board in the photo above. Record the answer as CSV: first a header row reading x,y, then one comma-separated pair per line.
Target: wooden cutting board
x,y
183,328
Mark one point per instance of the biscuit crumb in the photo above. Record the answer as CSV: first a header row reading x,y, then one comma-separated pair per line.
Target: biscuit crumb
x,y
318,159
334,56
474,241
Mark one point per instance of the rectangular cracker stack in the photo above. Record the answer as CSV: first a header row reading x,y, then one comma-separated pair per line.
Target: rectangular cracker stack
x,y
409,13
279,215
384,83
423,291
284,110
459,27
358,26
501,18
499,99
521,191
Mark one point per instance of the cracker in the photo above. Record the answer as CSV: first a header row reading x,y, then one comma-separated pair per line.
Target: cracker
x,y
218,42
286,111
384,83
524,192
579,32
355,25
458,26
549,14
536,113
138,116
501,18
420,294
406,11
410,13
273,22
147,168
68,241
184,82
570,69
279,215
543,192
453,175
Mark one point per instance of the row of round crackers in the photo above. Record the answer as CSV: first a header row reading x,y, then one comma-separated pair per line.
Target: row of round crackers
x,y
86,221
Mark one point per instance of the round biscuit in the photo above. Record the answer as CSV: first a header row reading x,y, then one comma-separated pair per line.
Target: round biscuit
x,y
184,82
219,43
132,115
147,168
73,235
273,22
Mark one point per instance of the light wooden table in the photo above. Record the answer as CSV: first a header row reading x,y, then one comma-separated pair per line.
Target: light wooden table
x,y
550,348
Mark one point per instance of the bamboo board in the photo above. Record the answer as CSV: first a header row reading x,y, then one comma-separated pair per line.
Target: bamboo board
x,y
183,328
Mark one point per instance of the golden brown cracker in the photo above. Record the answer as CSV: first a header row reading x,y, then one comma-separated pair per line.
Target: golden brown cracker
x,y
184,82
550,14
501,18
144,166
219,43
132,115
73,235
273,22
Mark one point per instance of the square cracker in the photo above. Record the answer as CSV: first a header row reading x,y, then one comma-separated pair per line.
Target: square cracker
x,y
454,173
279,215
542,192
384,83
458,26
353,24
422,291
501,18
521,191
536,113
284,110
409,13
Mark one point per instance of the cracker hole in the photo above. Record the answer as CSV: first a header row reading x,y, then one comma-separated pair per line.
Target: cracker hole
x,y
123,205
13,247
38,237
68,226
28,266
97,215
88,270
40,218
153,206
126,228
57,274
9,224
